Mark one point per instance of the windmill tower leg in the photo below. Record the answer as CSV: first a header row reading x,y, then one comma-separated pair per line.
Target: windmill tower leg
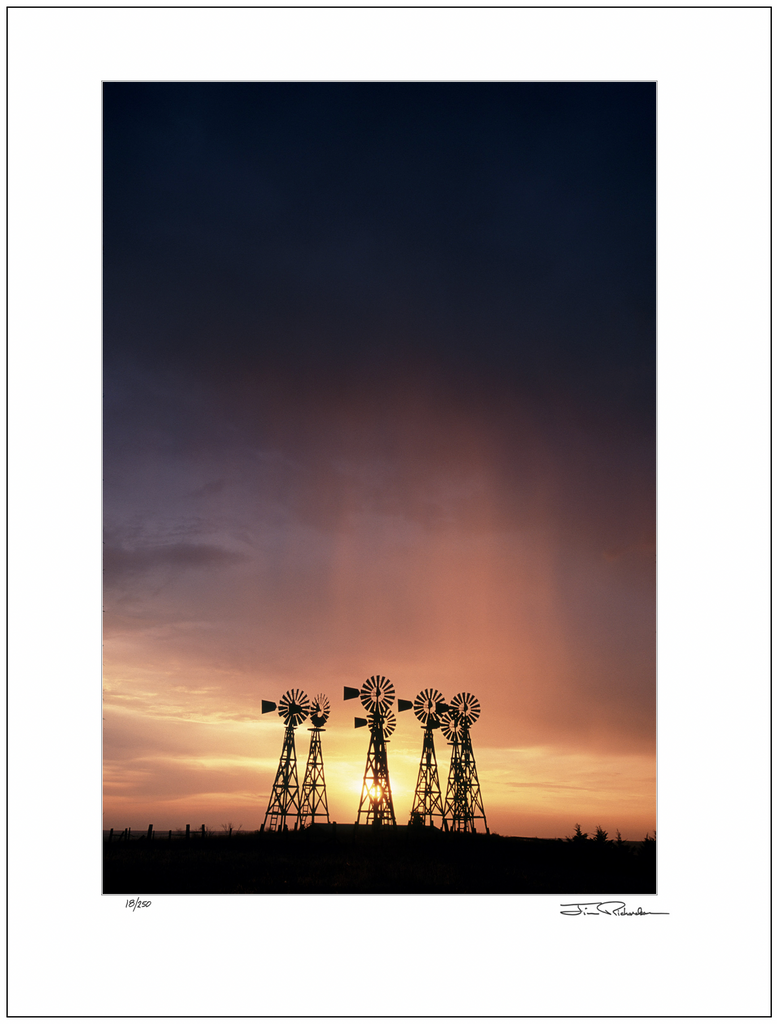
x,y
428,798
376,802
452,811
284,799
314,805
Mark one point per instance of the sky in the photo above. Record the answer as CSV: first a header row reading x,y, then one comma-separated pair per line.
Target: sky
x,y
379,376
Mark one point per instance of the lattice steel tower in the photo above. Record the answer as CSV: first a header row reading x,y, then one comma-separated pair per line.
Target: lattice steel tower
x,y
293,708
463,802
428,707
377,696
314,805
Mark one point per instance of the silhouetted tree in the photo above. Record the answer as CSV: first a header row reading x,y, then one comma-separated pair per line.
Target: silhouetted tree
x,y
579,836
618,838
601,835
646,855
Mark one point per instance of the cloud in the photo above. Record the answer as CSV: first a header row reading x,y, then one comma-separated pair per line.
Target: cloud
x,y
120,561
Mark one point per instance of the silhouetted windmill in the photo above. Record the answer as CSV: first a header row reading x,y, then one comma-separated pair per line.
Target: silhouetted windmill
x,y
428,706
293,708
463,802
377,696
314,805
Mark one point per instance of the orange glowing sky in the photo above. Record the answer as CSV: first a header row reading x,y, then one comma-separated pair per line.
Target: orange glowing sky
x,y
314,478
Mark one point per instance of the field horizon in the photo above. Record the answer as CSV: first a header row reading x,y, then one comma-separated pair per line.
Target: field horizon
x,y
363,859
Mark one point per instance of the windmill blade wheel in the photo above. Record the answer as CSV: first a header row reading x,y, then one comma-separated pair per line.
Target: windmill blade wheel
x,y
451,726
294,707
319,710
377,694
389,722
466,707
425,706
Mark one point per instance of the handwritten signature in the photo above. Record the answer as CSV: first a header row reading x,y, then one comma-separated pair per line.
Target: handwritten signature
x,y
613,908
135,904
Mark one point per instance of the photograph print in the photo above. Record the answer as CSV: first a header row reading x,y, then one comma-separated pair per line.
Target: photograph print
x,y
379,487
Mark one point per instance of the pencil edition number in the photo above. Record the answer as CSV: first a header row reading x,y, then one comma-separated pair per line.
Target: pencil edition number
x,y
136,904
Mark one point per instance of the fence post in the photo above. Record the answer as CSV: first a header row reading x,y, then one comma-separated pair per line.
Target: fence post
x,y
230,831
170,834
129,834
187,831
203,831
150,832
110,835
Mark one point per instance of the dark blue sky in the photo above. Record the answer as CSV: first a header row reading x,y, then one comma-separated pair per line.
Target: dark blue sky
x,y
493,235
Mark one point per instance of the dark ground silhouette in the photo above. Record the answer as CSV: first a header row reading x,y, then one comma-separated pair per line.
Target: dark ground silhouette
x,y
366,860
